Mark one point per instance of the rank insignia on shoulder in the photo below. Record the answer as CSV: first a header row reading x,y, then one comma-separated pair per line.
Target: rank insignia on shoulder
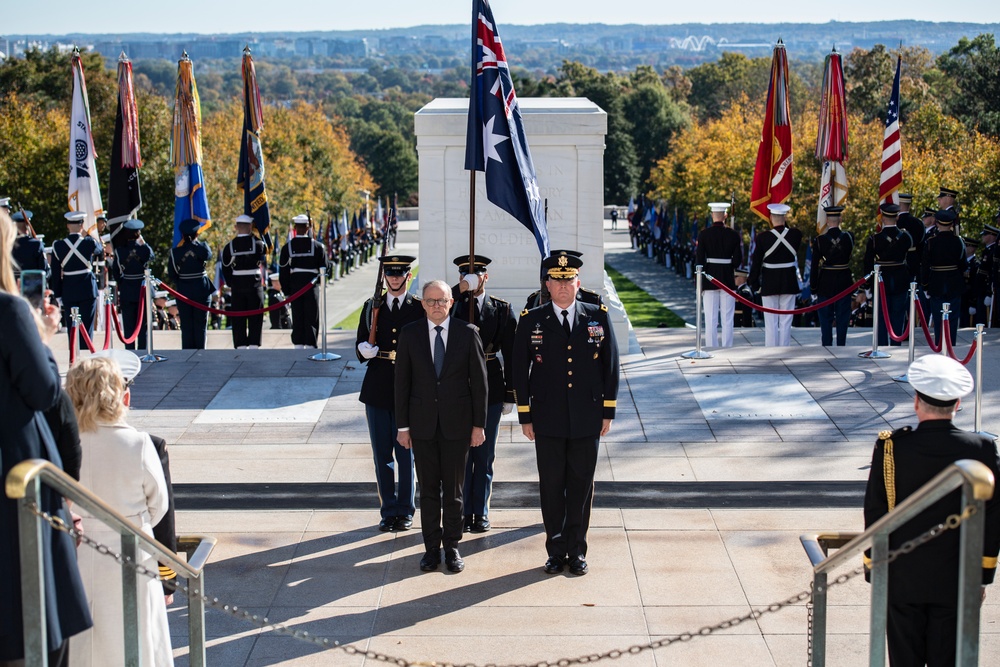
x,y
884,435
524,312
604,308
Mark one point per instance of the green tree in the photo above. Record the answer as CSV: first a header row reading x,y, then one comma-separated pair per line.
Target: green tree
x,y
973,67
655,118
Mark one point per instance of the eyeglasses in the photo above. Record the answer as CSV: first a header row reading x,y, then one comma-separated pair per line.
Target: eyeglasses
x,y
437,302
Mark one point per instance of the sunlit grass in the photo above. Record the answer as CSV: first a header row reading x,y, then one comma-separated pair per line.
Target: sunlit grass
x,y
642,309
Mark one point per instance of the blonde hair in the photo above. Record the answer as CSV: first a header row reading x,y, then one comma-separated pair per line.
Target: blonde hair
x,y
8,234
97,389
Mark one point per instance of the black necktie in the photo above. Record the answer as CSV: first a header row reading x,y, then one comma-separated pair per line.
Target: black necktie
x,y
395,306
438,351
566,328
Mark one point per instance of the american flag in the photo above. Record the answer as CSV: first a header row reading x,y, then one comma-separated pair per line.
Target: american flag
x,y
892,157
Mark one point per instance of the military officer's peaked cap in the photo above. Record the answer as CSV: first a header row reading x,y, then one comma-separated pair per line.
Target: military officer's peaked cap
x,y
128,362
779,209
4,202
301,219
971,241
905,196
945,217
134,224
833,210
891,210
75,217
161,294
940,379
574,253
19,217
562,265
929,212
479,265
190,226
719,207
947,192
244,219
274,276
397,265
741,271
989,229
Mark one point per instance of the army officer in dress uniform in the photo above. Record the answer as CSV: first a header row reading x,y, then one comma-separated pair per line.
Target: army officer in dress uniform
x,y
830,274
187,271
774,274
300,262
719,252
496,325
566,384
243,262
73,280
888,248
397,309
942,272
923,585
583,294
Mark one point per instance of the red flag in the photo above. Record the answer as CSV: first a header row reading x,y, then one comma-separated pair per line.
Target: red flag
x,y
772,175
831,140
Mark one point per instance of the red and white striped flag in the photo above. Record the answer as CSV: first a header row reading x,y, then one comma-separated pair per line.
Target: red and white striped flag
x,y
892,157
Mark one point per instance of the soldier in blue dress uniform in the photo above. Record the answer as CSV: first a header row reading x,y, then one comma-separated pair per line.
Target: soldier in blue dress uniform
x,y
830,274
301,260
243,262
496,325
73,280
28,251
132,258
942,272
398,308
187,272
888,248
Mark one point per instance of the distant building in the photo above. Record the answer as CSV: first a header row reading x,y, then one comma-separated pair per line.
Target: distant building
x,y
353,48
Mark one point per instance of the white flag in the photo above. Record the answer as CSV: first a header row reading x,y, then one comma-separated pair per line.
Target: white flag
x,y
84,191
832,191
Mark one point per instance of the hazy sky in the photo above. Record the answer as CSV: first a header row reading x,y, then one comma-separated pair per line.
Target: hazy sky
x,y
222,16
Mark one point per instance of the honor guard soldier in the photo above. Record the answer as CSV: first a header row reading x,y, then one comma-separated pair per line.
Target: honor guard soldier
x,y
73,280
970,295
398,308
774,274
942,272
281,318
566,384
300,262
743,314
830,274
986,276
583,294
496,325
922,619
28,251
243,262
915,228
719,252
888,248
187,272
132,257
948,201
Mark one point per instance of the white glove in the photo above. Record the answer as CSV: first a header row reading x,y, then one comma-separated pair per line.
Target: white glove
x,y
988,301
972,310
507,408
367,350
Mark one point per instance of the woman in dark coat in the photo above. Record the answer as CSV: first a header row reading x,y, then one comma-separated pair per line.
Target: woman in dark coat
x,y
29,384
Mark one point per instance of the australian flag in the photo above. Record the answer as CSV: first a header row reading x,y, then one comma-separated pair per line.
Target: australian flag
x,y
496,143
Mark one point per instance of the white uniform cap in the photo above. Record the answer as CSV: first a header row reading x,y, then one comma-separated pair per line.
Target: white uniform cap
x,y
5,202
779,209
940,377
244,219
128,362
719,207
106,238
274,276
75,217
301,220
170,302
160,294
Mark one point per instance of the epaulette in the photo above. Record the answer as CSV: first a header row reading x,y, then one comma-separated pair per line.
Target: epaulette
x,y
524,312
497,299
604,308
589,291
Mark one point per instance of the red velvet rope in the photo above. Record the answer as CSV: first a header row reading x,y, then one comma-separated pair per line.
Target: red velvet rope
x,y
951,351
885,316
796,311
238,313
927,330
85,337
72,344
138,325
107,325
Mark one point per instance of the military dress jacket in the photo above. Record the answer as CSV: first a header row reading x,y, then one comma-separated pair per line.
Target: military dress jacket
x,y
903,461
187,270
73,267
914,226
130,265
942,269
378,387
583,294
497,324
774,267
830,271
29,255
242,262
720,253
566,386
888,248
301,260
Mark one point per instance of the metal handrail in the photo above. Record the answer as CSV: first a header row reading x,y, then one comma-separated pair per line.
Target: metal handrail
x,y
977,483
23,484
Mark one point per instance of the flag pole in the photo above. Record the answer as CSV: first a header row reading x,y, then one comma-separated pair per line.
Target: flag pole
x,y
472,241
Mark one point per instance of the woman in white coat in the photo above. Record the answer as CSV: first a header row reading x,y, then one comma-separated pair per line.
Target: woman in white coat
x,y
121,466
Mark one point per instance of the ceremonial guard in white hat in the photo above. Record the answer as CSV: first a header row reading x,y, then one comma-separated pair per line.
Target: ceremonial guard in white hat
x,y
243,263
774,274
301,260
73,280
923,584
720,253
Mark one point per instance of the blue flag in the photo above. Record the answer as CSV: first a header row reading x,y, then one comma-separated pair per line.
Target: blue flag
x,y
496,143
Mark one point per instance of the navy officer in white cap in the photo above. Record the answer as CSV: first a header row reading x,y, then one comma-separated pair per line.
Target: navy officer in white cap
x,y
774,273
720,252
73,280
923,584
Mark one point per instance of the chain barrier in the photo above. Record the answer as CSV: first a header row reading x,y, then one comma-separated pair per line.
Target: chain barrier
x,y
795,311
952,522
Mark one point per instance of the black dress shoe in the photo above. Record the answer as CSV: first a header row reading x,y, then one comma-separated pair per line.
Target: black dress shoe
x,y
578,566
554,565
404,522
453,560
480,525
387,524
467,526
430,560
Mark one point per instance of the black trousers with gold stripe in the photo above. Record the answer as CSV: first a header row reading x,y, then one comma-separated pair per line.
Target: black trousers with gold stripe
x,y
566,469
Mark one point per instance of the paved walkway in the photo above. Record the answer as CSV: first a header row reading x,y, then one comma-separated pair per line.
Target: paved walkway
x,y
246,421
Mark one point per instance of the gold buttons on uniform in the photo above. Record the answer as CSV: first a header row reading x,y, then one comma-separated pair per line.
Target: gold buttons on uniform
x,y
570,360
570,385
394,342
569,347
569,372
393,331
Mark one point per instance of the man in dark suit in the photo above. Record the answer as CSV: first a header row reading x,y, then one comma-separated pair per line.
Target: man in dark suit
x,y
888,248
397,309
496,324
774,273
566,384
300,261
830,274
942,272
73,280
441,413
923,585
719,252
